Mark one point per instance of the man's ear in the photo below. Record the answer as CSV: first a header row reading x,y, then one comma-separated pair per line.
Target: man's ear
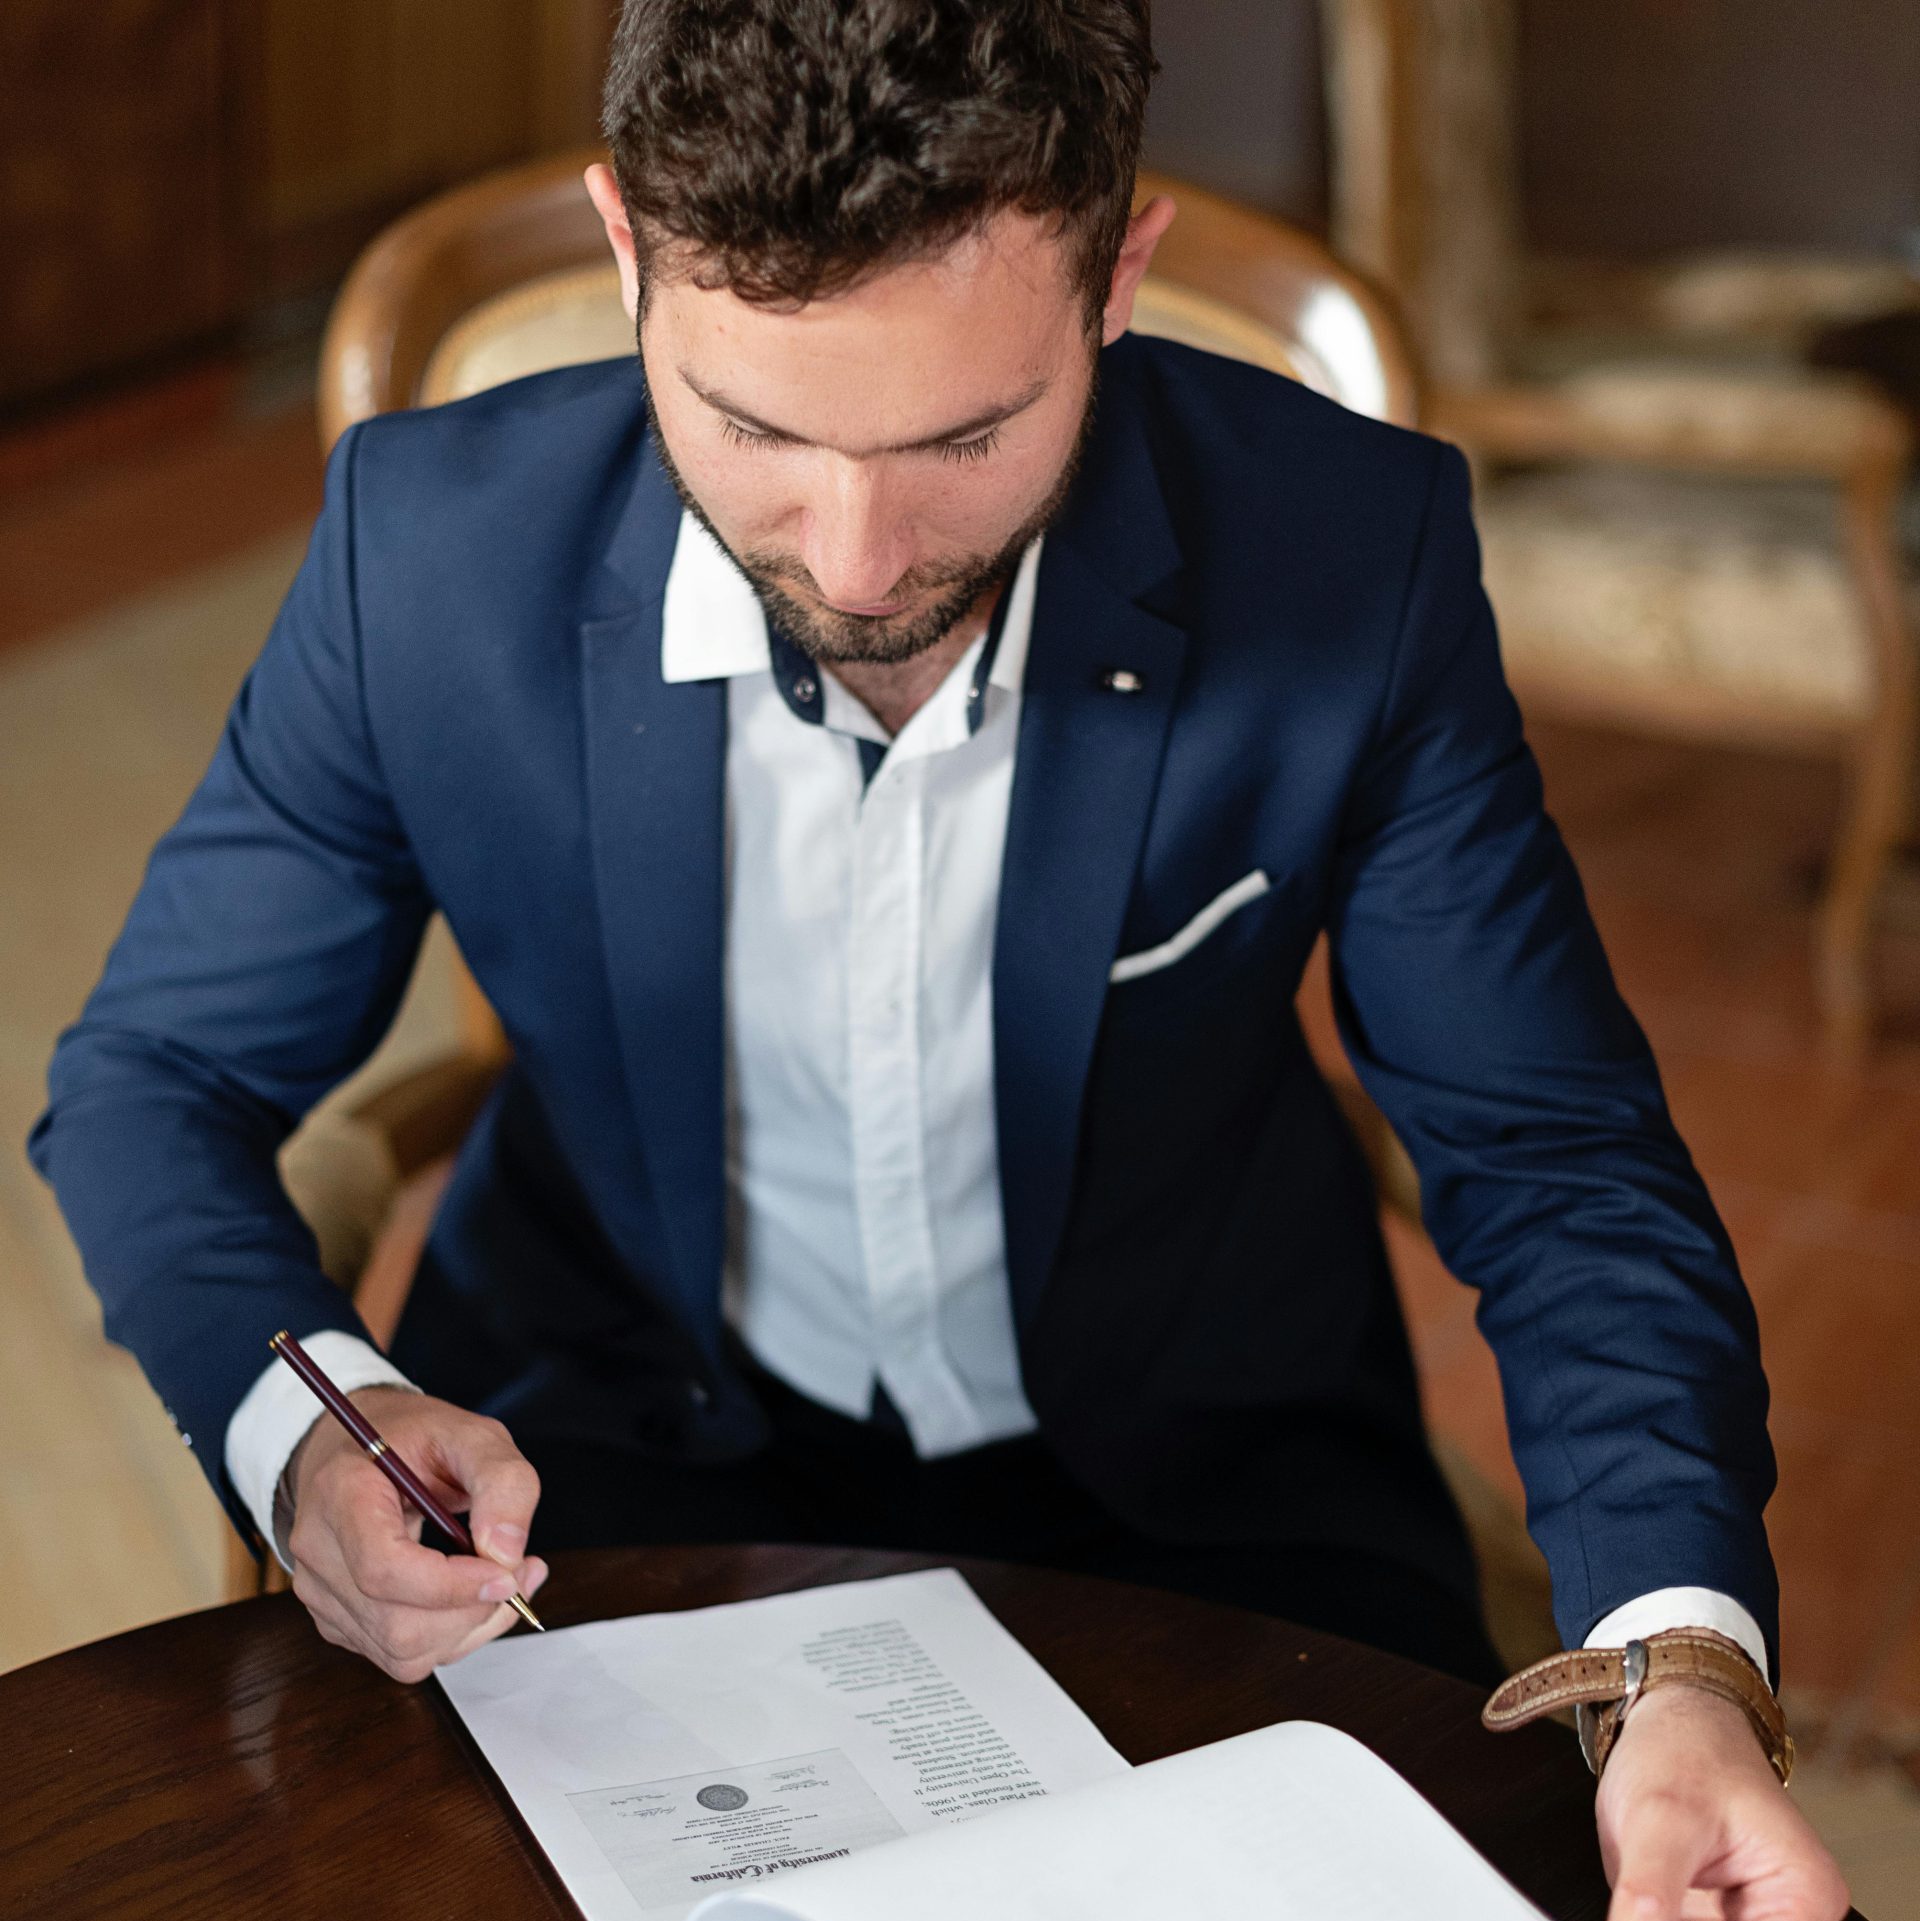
x,y
604,191
1136,252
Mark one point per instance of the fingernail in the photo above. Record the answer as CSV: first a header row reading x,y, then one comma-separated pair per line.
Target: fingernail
x,y
535,1580
505,1544
497,1590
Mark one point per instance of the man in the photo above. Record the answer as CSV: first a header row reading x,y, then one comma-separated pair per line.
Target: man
x,y
887,759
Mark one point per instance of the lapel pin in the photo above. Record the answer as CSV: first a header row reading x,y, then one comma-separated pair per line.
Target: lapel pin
x,y
1122,680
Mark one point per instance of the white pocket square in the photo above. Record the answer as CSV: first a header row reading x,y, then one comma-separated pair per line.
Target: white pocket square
x,y
1129,967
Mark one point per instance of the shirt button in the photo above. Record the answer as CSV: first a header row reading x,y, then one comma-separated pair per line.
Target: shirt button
x,y
806,690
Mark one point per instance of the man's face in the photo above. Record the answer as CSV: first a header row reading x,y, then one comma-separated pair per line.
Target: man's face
x,y
875,461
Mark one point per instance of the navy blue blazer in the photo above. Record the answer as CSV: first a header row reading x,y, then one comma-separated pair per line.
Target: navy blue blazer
x,y
461,707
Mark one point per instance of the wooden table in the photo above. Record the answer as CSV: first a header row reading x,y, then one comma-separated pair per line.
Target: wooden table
x,y
231,1764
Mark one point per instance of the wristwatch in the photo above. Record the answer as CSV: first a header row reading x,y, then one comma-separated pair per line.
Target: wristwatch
x,y
1601,1685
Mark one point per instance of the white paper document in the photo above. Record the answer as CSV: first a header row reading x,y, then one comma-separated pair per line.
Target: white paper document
x,y
1291,1823
663,1757
885,1749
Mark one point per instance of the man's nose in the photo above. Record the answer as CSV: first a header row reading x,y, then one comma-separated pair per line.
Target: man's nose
x,y
855,544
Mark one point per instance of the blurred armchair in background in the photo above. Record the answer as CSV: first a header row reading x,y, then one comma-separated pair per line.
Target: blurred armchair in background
x,y
1688,529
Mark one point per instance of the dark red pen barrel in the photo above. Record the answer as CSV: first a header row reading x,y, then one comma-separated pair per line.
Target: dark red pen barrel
x,y
409,1484
363,1430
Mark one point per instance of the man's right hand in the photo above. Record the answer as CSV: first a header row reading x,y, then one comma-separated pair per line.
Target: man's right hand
x,y
355,1543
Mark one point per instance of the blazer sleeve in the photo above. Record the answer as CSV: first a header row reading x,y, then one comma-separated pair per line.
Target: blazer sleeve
x,y
1479,1011
263,958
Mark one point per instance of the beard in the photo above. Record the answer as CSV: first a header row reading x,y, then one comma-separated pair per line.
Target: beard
x,y
825,634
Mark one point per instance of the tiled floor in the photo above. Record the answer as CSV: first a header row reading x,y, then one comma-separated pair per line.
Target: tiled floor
x,y
140,557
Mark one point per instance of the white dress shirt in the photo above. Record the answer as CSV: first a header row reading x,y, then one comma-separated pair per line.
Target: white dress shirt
x,y
864,1237
864,1229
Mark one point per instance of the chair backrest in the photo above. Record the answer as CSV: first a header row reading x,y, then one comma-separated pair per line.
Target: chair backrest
x,y
509,276
1421,110
1239,282
438,265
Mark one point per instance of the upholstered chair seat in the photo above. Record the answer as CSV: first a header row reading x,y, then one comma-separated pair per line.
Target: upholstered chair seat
x,y
1731,600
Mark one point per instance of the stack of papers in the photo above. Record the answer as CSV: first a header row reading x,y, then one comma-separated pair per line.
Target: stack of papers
x,y
882,1748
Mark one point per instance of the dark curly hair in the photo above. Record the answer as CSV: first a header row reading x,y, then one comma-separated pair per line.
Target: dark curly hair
x,y
788,148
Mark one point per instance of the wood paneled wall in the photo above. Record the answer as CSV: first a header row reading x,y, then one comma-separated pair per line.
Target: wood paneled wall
x,y
119,216
365,106
168,167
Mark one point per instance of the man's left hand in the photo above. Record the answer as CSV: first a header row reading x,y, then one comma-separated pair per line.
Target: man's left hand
x,y
1694,1821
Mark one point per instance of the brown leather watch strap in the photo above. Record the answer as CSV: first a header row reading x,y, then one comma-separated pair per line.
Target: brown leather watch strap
x,y
1603,1684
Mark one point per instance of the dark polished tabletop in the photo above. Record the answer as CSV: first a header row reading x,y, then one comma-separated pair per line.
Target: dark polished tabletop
x,y
232,1764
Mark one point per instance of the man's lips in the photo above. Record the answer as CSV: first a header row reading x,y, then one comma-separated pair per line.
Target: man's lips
x,y
804,589
880,607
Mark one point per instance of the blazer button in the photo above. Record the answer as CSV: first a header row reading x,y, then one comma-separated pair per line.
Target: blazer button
x,y
1123,680
697,1393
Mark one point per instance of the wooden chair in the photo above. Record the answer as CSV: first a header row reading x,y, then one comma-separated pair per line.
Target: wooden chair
x,y
1688,530
510,275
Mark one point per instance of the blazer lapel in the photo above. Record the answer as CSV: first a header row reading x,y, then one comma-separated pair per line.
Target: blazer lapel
x,y
1085,773
655,768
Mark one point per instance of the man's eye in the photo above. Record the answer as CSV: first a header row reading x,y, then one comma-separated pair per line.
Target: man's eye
x,y
977,448
732,430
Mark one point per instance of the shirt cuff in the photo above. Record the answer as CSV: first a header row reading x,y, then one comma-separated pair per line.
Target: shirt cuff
x,y
279,1409
1683,1607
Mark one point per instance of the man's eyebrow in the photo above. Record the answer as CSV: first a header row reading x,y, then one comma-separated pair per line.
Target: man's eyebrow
x,y
961,429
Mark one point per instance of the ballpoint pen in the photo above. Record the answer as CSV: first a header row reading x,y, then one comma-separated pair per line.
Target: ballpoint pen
x,y
396,1470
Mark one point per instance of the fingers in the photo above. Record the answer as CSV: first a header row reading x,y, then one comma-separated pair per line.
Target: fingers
x,y
503,1617
502,1488
404,1639
1660,1846
359,1566
407,1643
376,1534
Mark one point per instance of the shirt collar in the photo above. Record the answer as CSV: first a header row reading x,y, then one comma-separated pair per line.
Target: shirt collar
x,y
712,626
